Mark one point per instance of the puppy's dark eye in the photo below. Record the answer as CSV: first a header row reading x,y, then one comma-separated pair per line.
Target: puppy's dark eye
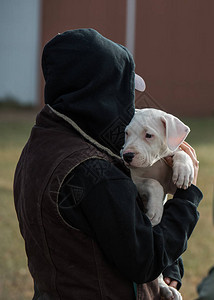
x,y
126,133
148,136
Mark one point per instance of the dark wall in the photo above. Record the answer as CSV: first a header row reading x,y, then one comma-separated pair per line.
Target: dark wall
x,y
174,48
108,17
175,53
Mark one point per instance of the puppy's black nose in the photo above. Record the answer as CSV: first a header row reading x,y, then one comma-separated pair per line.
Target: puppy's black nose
x,y
128,156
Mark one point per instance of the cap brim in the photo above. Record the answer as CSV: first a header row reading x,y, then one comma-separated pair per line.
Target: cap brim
x,y
140,84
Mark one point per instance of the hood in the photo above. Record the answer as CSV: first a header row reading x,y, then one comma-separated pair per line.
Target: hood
x,y
90,79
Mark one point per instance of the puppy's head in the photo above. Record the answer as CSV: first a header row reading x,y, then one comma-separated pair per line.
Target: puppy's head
x,y
152,134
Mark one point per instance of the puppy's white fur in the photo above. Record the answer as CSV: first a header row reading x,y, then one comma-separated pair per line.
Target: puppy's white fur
x,y
152,135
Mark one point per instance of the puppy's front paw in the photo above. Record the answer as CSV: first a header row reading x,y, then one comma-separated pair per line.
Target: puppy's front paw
x,y
155,215
170,293
183,171
167,292
153,194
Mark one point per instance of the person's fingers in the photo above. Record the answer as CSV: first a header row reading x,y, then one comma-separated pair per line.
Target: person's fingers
x,y
188,149
174,284
170,282
188,145
192,149
191,152
167,280
169,161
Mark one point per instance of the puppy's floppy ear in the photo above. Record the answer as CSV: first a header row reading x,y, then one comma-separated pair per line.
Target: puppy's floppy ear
x,y
176,131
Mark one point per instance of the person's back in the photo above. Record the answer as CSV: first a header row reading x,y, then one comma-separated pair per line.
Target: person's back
x,y
55,249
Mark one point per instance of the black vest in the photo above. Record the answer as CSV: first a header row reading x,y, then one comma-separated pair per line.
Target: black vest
x,y
65,263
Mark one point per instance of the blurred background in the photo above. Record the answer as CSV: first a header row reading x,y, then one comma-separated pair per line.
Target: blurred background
x,y
173,48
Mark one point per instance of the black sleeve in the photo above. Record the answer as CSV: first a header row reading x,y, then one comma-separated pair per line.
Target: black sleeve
x,y
110,212
175,271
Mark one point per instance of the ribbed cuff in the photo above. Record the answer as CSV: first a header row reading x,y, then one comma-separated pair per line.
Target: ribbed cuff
x,y
192,194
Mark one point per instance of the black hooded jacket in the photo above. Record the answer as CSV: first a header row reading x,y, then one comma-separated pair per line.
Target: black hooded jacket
x,y
90,80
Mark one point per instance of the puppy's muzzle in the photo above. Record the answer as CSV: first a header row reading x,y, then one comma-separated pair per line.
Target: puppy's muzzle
x,y
128,156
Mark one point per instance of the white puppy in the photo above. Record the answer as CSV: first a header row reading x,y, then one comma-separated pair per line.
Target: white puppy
x,y
152,135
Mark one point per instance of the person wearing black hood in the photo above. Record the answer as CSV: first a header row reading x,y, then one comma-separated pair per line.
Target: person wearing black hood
x,y
85,234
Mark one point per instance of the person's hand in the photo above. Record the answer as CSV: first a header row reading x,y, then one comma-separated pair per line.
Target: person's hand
x,y
191,152
171,282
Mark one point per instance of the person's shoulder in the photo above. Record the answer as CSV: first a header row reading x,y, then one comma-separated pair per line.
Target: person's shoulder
x,y
99,169
92,173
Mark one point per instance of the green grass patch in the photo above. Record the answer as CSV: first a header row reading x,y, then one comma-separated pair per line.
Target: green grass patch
x,y
199,258
201,131
16,283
